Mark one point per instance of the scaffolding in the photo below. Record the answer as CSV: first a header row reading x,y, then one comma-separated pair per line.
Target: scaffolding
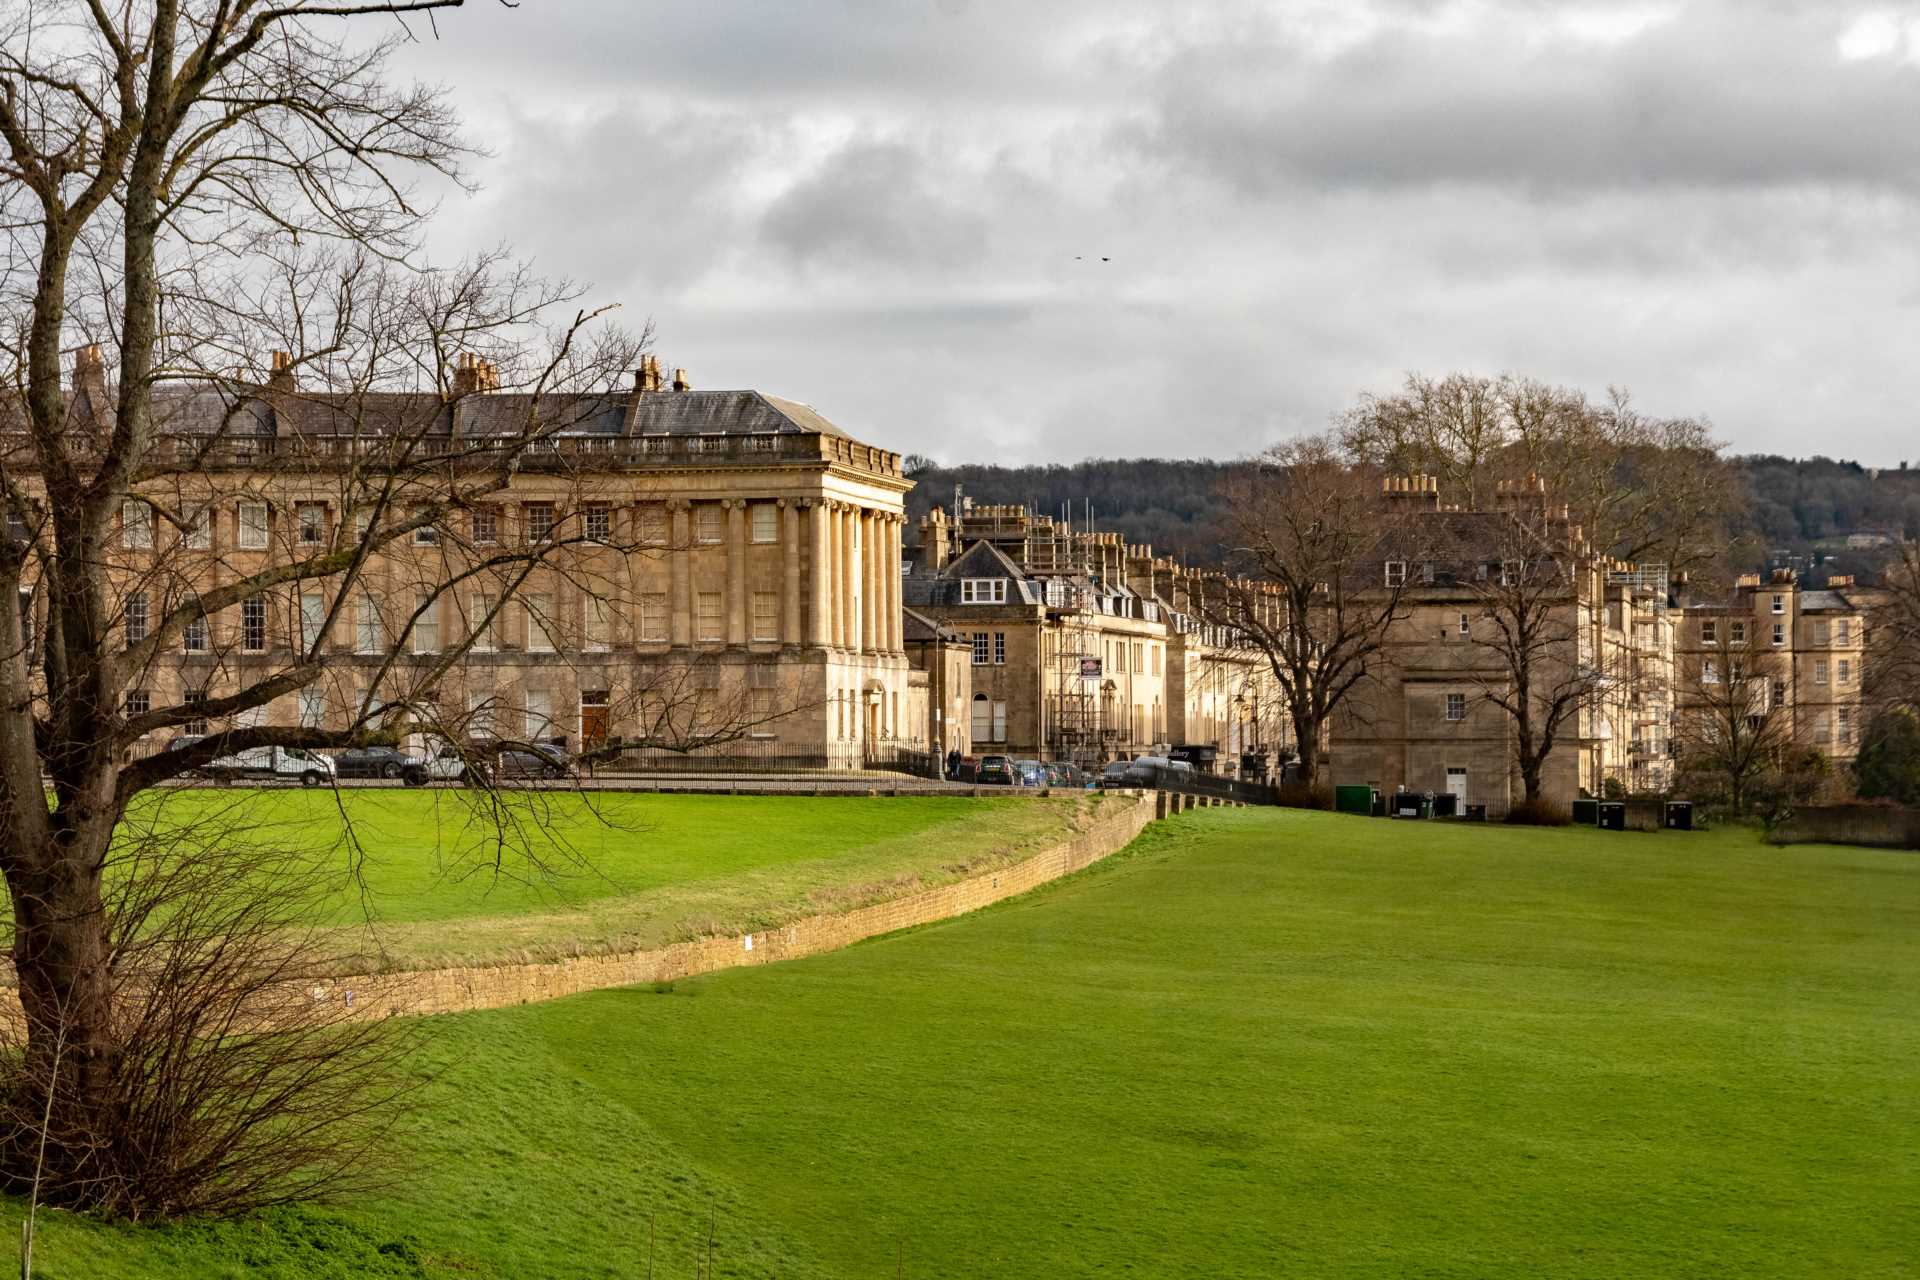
x,y
1076,728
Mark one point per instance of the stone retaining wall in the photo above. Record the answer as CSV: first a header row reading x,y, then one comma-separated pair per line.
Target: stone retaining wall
x,y
1878,826
429,991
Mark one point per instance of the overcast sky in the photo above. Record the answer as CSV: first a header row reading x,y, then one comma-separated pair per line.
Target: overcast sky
x,y
1040,230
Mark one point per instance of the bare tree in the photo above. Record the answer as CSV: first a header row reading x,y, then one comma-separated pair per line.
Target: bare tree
x,y
279,476
1538,630
1892,664
1642,488
242,1082
1299,523
1729,728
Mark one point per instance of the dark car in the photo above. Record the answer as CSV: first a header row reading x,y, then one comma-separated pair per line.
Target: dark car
x,y
1031,773
997,770
372,762
1115,774
1072,775
535,760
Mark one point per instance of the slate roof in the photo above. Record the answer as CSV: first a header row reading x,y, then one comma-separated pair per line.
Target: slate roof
x,y
921,629
981,560
984,560
686,413
206,410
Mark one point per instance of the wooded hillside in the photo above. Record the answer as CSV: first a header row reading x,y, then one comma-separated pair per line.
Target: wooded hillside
x,y
1804,506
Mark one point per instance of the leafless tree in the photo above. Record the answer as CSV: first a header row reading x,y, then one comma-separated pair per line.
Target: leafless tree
x,y
1892,660
238,1081
1543,659
1298,523
278,475
1729,729
1642,488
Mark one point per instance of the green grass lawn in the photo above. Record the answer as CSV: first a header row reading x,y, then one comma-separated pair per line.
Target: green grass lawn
x,y
598,871
1257,1044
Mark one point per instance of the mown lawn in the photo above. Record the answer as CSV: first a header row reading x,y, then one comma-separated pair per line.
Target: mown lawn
x,y
1257,1044
557,873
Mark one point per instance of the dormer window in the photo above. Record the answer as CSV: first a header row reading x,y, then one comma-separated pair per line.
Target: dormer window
x,y
1396,573
983,591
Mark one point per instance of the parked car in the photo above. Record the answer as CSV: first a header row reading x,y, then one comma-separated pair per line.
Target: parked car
x,y
447,764
1147,771
997,770
535,760
1115,774
372,762
291,763
1072,775
1031,773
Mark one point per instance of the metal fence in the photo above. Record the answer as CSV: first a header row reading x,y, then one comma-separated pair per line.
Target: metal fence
x,y
1194,783
751,760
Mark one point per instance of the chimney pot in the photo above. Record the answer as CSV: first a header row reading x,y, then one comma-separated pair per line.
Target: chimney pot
x,y
680,382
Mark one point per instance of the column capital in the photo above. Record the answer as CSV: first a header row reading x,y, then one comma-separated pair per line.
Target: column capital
x,y
678,504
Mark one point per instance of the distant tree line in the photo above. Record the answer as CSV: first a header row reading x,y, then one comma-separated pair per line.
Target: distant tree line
x,y
1798,502
1803,506
1170,504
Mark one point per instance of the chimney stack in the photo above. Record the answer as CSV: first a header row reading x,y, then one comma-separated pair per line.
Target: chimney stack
x,y
472,374
936,546
647,376
680,382
1417,493
90,378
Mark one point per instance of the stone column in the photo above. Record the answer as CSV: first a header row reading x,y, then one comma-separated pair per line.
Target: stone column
x,y
736,573
681,552
837,570
623,611
895,626
820,623
849,609
789,518
869,581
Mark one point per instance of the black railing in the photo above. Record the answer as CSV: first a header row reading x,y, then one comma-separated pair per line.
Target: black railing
x,y
1185,782
748,760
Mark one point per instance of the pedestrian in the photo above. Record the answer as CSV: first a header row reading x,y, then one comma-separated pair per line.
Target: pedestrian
x,y
953,763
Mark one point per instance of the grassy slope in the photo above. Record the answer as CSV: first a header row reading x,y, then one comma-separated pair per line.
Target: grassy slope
x,y
614,870
1258,1044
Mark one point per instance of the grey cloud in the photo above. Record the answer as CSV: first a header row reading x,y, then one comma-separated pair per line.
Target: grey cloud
x,y
874,202
1722,96
657,197
895,211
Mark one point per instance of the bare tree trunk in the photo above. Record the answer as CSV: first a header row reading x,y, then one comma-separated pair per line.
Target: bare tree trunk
x,y
61,953
1307,760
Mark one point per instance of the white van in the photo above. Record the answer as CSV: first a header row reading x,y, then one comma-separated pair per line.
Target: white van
x,y
266,762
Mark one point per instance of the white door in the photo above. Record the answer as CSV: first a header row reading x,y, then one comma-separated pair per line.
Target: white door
x,y
1457,785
